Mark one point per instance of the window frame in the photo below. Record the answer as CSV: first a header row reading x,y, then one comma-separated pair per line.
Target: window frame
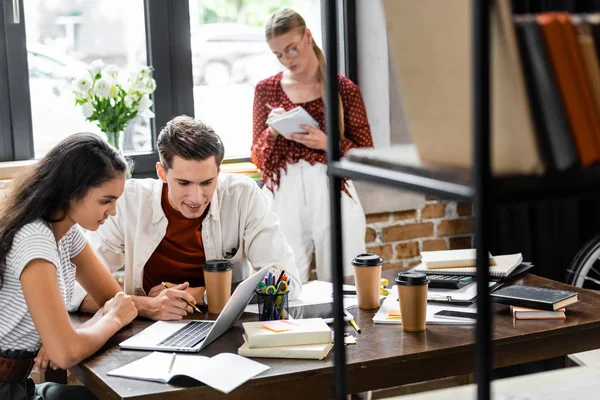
x,y
167,34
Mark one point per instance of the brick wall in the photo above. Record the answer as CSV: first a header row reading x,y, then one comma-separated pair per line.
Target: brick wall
x,y
399,237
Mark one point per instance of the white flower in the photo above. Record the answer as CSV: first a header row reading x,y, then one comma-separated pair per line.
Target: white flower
x,y
150,85
146,72
96,66
103,87
128,101
145,103
87,109
83,84
111,71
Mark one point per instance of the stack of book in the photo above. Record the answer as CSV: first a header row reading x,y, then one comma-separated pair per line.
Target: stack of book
x,y
530,302
301,338
462,263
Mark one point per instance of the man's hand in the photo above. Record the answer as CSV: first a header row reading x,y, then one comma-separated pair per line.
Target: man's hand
x,y
42,362
167,304
198,293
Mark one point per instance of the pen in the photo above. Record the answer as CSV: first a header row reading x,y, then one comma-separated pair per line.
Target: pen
x,y
172,362
354,325
347,293
188,303
270,107
280,277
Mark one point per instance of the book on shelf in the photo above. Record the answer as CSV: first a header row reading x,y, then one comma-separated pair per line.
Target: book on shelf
x,y
305,351
502,266
524,313
280,333
435,83
568,65
554,133
224,372
534,297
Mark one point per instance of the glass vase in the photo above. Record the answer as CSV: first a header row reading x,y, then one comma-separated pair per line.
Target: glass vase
x,y
115,139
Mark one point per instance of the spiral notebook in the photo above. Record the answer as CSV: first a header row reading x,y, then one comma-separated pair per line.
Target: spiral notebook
x,y
503,266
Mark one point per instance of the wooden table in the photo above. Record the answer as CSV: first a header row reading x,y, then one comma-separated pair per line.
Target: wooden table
x,y
384,355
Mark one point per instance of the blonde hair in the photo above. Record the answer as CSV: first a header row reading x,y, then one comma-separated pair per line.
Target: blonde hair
x,y
287,20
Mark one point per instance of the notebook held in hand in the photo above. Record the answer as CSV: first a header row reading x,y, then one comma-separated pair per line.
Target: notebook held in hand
x,y
290,121
534,297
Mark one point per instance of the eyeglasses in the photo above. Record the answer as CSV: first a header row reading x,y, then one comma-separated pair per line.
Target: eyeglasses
x,y
291,51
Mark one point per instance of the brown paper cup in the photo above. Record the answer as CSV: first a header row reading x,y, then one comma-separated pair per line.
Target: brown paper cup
x,y
367,278
217,279
412,293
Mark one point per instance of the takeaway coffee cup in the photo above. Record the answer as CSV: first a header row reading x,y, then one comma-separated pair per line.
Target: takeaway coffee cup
x,y
412,292
367,277
217,278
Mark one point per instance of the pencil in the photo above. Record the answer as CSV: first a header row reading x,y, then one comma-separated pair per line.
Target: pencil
x,y
188,303
171,363
354,325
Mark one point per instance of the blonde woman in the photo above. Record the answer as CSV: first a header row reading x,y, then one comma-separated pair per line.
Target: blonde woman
x,y
294,171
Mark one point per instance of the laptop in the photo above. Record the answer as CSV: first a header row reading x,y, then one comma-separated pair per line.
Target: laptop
x,y
191,336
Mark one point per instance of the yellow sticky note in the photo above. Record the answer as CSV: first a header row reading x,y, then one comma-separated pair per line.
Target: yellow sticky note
x,y
279,325
394,315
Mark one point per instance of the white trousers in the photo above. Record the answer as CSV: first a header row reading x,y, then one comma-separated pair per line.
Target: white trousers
x,y
302,204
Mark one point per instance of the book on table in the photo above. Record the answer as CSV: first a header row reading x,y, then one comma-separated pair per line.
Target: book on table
x,y
280,333
223,372
462,263
524,313
534,297
304,351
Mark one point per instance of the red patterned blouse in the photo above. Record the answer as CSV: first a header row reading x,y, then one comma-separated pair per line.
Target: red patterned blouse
x,y
273,154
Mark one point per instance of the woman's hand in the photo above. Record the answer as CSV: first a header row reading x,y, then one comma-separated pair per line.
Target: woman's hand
x,y
314,139
122,308
42,362
275,112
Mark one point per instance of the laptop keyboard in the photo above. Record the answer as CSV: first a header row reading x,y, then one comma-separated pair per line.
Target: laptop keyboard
x,y
188,336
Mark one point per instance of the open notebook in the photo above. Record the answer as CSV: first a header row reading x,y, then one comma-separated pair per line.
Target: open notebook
x,y
503,266
223,372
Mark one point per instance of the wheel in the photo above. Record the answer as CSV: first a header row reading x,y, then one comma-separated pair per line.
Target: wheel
x,y
217,73
584,270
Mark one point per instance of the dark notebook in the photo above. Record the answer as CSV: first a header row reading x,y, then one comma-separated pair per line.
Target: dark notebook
x,y
553,130
534,297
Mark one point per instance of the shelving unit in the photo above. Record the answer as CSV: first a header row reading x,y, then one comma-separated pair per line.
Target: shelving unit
x,y
477,185
474,187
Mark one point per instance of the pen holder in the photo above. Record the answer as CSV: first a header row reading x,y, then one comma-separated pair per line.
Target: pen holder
x,y
272,306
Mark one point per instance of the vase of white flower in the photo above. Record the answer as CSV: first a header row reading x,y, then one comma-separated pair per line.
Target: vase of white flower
x,y
111,100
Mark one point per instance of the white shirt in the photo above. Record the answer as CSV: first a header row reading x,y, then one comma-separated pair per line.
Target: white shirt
x,y
34,241
239,218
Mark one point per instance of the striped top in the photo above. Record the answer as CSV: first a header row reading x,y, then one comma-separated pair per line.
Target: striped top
x,y
34,241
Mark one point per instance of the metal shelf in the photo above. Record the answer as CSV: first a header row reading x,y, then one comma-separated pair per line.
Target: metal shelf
x,y
444,185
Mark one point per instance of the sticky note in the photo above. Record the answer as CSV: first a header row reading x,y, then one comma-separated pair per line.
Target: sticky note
x,y
279,325
394,315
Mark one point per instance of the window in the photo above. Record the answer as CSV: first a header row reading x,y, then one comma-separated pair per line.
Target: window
x,y
63,37
230,56
207,57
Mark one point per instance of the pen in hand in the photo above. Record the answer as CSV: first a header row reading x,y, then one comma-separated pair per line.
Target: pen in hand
x,y
270,107
188,303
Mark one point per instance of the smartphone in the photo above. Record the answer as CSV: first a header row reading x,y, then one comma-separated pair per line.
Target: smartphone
x,y
324,311
455,314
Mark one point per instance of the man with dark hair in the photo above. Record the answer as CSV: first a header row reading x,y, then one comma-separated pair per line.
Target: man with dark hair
x,y
166,228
